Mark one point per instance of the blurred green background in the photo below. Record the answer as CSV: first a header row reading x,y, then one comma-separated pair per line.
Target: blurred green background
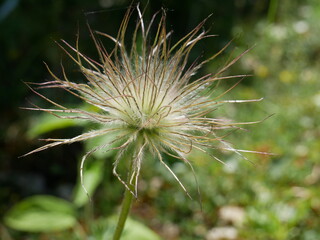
x,y
274,197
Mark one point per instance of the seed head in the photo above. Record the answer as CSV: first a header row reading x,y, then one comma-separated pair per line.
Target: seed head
x,y
146,96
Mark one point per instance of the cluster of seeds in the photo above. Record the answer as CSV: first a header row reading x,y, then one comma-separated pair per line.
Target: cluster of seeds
x,y
146,96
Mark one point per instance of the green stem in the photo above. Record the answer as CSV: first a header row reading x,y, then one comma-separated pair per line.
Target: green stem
x,y
126,205
272,11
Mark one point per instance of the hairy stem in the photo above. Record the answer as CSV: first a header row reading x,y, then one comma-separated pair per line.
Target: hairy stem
x,y
125,209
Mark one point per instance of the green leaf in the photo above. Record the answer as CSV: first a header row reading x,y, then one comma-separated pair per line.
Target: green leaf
x,y
46,123
133,230
100,140
41,214
92,177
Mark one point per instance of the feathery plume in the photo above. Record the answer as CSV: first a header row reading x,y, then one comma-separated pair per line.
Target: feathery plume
x,y
146,97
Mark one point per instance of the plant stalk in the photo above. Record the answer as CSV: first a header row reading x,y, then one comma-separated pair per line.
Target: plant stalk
x,y
272,11
125,209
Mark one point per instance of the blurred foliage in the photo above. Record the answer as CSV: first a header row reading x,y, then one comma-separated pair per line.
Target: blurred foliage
x,y
41,214
278,194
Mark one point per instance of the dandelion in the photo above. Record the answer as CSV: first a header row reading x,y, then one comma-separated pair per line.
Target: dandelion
x,y
146,98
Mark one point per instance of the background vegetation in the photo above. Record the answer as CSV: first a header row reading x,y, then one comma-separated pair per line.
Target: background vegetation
x,y
274,197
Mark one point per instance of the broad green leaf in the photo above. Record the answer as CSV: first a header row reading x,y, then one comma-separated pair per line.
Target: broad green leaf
x,y
46,123
98,141
41,213
92,176
133,230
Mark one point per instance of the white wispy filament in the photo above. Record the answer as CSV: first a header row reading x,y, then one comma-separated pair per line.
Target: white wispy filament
x,y
146,98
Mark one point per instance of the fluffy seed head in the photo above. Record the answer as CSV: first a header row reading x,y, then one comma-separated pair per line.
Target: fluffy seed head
x,y
146,97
